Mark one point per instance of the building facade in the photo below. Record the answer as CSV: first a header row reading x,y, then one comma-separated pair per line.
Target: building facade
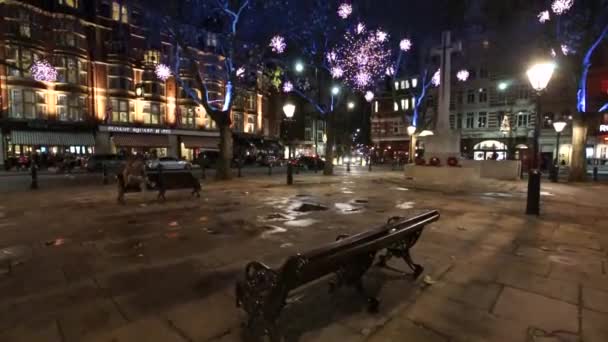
x,y
107,97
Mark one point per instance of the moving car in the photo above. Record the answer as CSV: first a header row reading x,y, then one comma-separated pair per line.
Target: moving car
x,y
169,163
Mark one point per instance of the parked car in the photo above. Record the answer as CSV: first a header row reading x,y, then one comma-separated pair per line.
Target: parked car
x,y
309,163
169,163
112,161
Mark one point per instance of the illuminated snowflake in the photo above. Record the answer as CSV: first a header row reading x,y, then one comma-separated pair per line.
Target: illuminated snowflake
x,y
381,36
436,80
162,71
345,10
331,56
43,71
462,75
240,72
360,28
390,71
278,45
553,54
337,72
560,7
405,45
544,16
287,87
369,96
362,79
566,49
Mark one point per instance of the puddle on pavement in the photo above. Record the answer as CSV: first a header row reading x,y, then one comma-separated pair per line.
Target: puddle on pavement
x,y
496,194
305,207
405,205
347,208
272,230
301,223
546,193
401,189
274,217
12,256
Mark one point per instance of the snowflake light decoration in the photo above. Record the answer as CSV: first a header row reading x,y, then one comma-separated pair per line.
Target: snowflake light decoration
x,y
278,45
560,7
405,44
369,96
360,28
345,10
361,57
287,87
543,17
462,75
381,36
565,49
337,72
553,54
43,71
162,71
240,72
390,71
436,80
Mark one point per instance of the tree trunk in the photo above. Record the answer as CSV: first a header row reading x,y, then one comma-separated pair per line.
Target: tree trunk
x,y
223,171
329,146
578,163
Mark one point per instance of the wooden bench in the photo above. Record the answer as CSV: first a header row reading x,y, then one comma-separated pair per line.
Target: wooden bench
x,y
263,291
161,181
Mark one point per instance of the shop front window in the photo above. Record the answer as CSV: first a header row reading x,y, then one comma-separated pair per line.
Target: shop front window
x,y
187,117
251,124
25,104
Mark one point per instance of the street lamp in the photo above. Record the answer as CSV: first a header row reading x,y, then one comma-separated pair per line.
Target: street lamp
x,y
502,86
335,90
559,128
539,76
411,131
351,105
299,67
289,109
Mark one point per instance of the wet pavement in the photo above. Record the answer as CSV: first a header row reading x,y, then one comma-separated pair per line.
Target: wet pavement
x,y
76,266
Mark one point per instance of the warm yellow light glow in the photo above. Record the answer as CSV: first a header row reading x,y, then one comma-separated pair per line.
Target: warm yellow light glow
x,y
540,74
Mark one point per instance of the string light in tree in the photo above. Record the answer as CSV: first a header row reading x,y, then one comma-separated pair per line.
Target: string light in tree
x,y
361,57
240,72
436,80
560,7
462,75
405,45
381,36
360,28
345,10
287,87
544,16
369,96
278,45
390,71
162,71
43,71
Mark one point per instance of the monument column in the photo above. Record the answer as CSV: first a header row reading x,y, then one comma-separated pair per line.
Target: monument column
x,y
446,142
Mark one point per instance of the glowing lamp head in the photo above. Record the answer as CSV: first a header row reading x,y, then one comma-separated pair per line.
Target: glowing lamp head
x,y
540,74
369,96
289,109
411,130
502,86
463,75
426,133
335,90
299,67
351,105
559,126
139,90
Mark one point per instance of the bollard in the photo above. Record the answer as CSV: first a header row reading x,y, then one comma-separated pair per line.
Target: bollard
x,y
348,167
203,168
289,173
369,165
34,184
239,166
104,173
297,169
595,171
270,169
533,201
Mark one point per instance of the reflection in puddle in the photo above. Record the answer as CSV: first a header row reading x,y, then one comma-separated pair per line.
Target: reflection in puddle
x,y
496,194
562,260
546,193
401,189
405,205
271,230
301,223
347,207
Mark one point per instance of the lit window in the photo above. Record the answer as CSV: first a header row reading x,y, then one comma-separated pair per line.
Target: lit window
x,y
482,120
187,116
23,104
413,101
120,12
395,106
69,3
115,11
152,113
403,85
407,84
414,82
124,14
376,107
396,85
122,111
523,119
404,104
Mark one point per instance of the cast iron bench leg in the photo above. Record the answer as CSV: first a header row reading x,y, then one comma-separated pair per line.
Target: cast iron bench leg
x,y
418,269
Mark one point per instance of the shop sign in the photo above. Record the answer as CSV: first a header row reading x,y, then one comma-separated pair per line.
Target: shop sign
x,y
604,128
138,130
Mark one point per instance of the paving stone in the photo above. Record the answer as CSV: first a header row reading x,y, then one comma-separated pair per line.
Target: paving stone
x,y
476,294
93,317
148,330
595,327
401,329
334,332
536,310
462,322
553,288
39,330
595,299
204,319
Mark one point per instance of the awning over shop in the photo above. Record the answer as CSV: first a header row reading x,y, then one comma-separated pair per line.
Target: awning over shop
x,y
35,138
140,140
207,143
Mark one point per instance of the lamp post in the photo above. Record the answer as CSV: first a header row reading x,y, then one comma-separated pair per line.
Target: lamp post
x,y
289,109
539,76
411,131
559,128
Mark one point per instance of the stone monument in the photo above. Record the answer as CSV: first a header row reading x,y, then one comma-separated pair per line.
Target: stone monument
x,y
445,142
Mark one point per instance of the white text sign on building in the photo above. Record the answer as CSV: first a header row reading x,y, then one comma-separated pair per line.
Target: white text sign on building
x,y
604,128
